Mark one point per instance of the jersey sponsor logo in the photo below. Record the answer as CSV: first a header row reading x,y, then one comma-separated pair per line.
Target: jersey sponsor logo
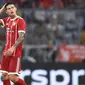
x,y
9,30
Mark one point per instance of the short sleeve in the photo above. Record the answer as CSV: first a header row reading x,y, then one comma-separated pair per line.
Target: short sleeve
x,y
21,25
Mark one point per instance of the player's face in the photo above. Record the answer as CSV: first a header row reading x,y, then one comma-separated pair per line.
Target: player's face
x,y
11,10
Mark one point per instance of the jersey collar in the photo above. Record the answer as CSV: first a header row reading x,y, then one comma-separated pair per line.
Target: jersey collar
x,y
14,18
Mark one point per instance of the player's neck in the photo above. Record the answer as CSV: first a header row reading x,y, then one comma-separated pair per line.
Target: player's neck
x,y
13,17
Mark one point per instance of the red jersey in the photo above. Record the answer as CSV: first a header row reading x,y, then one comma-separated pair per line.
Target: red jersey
x,y
13,27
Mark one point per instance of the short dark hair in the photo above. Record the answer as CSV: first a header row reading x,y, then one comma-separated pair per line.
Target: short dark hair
x,y
9,3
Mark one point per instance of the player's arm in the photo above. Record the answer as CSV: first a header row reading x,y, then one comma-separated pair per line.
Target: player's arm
x,y
2,9
17,43
20,39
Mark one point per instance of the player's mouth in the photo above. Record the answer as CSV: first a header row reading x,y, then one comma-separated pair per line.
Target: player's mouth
x,y
12,12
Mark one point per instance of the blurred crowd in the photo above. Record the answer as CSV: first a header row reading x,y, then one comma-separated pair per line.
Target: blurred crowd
x,y
47,3
53,28
55,25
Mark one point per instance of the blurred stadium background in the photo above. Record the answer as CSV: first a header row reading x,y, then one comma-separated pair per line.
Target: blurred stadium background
x,y
54,40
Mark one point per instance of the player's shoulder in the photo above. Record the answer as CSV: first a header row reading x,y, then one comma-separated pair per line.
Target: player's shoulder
x,y
5,18
20,18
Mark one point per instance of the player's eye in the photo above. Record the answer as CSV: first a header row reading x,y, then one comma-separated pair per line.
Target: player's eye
x,y
12,7
8,8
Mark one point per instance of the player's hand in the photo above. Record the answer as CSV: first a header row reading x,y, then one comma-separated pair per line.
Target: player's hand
x,y
10,51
